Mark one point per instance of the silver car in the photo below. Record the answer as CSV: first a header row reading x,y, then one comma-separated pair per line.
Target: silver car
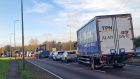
x,y
57,55
69,56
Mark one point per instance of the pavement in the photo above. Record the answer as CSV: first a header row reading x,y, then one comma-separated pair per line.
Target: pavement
x,y
13,72
79,71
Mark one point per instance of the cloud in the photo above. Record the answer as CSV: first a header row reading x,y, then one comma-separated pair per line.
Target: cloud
x,y
99,6
65,36
39,7
78,12
87,9
83,10
90,5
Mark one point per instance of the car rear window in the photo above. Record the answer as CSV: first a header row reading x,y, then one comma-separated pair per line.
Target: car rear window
x,y
60,52
71,52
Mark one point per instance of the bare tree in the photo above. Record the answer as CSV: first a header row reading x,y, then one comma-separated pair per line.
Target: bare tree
x,y
8,48
59,45
33,44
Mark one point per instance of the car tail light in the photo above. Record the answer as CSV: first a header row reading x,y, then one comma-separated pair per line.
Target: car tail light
x,y
102,62
103,59
129,58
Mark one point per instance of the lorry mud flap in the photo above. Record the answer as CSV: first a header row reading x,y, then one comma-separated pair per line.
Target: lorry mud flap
x,y
112,59
115,59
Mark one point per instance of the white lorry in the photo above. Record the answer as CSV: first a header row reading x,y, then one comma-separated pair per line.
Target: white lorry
x,y
106,40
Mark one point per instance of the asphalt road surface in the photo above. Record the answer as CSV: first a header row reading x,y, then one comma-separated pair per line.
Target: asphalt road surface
x,y
78,71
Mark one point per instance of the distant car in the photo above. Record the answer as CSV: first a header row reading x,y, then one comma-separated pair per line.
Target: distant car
x,y
69,56
44,54
33,54
58,55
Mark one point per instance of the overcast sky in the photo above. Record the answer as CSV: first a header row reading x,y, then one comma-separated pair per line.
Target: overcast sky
x,y
50,19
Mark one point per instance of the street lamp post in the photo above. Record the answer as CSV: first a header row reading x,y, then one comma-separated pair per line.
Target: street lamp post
x,y
70,36
22,24
15,36
10,46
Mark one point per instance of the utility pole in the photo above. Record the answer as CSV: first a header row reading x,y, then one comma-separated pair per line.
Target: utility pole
x,y
22,24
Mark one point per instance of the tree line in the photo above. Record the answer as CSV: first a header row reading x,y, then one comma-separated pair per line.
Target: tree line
x,y
137,41
34,43
49,45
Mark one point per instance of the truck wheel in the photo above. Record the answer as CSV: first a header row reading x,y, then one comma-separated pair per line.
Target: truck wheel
x,y
66,60
79,62
93,66
120,66
117,66
62,60
54,59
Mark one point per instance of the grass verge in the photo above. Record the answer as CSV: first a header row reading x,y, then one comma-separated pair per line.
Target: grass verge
x,y
32,72
135,63
4,66
27,73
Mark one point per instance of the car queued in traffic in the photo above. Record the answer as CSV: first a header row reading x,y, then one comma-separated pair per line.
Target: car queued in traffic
x,y
64,56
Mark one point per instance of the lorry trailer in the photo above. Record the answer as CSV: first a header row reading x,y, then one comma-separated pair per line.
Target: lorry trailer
x,y
106,40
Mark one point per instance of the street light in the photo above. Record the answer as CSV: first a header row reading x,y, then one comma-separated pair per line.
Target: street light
x,y
14,36
10,46
22,24
70,36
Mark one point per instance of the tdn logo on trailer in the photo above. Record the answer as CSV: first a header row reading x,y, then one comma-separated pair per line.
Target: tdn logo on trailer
x,y
107,28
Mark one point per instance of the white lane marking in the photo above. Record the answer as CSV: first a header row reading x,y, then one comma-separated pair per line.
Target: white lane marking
x,y
66,64
100,71
46,70
79,68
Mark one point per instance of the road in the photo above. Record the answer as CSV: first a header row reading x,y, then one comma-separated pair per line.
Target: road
x,y
78,71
